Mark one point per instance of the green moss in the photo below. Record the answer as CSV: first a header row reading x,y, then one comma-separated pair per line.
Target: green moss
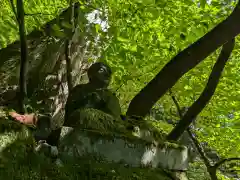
x,y
104,124
37,167
16,141
19,161
92,168
93,119
99,125
171,145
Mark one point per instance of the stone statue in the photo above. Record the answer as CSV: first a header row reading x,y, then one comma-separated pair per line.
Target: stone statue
x,y
95,95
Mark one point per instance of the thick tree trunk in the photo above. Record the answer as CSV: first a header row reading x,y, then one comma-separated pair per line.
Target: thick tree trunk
x,y
206,95
183,62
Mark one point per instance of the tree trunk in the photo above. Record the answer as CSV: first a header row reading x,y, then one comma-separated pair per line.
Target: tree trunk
x,y
24,62
183,62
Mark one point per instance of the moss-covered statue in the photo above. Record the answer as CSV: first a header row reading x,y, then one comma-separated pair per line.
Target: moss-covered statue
x,y
93,95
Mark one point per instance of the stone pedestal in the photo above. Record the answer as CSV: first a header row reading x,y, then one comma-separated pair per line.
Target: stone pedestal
x,y
133,151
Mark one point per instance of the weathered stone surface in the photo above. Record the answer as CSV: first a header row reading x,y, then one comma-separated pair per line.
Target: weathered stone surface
x,y
19,161
133,151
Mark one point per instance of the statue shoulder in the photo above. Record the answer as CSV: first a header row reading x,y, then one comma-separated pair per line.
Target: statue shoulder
x,y
78,89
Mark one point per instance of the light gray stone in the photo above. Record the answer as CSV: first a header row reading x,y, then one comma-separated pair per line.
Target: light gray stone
x,y
136,153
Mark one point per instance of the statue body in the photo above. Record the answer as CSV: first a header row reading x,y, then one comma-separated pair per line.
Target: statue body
x,y
86,96
94,94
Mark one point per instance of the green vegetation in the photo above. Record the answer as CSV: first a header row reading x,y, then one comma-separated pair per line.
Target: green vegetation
x,y
143,36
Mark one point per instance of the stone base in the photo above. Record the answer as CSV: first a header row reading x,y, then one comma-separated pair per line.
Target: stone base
x,y
116,148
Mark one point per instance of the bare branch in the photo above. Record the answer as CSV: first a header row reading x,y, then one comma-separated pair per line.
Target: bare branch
x,y
13,8
195,141
33,14
225,160
207,93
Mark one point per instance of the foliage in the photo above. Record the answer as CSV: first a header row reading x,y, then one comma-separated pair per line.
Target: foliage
x,y
86,168
197,170
142,37
17,156
98,122
38,13
142,43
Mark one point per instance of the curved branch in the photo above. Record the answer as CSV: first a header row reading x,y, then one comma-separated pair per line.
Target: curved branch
x,y
224,161
183,62
206,95
212,170
176,103
13,8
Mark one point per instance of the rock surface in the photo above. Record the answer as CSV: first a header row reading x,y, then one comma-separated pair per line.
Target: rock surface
x,y
131,150
87,153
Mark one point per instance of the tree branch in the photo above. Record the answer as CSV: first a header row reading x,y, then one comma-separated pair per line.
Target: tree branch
x,y
195,141
13,8
30,14
212,169
224,161
183,62
206,95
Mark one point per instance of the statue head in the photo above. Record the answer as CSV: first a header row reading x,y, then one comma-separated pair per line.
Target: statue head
x,y
100,74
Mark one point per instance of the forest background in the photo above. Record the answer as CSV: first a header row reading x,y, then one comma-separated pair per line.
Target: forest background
x,y
137,38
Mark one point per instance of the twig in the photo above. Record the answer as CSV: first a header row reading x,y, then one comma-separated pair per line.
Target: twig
x,y
33,14
225,160
13,8
210,168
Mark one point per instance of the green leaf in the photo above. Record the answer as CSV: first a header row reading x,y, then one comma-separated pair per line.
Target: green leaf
x,y
133,48
57,31
66,24
203,3
97,27
186,87
121,39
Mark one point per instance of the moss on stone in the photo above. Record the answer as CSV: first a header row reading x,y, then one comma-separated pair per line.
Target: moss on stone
x,y
19,161
16,141
93,168
99,125
171,145
82,168
97,120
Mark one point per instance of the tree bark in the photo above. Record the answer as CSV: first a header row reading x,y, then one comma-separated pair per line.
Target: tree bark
x,y
24,62
68,64
68,44
183,62
206,95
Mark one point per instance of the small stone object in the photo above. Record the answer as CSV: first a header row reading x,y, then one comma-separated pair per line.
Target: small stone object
x,y
46,149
